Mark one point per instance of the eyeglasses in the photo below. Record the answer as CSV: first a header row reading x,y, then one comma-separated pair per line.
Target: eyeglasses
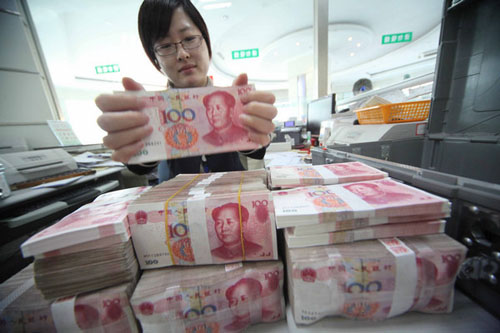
x,y
187,43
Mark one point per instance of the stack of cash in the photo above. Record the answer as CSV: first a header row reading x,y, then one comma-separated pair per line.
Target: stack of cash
x,y
325,174
23,308
211,298
212,218
380,231
374,279
321,215
195,121
87,250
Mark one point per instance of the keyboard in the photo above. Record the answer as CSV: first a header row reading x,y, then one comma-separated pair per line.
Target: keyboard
x,y
52,178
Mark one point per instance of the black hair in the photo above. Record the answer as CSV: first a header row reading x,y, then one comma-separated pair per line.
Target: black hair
x,y
155,17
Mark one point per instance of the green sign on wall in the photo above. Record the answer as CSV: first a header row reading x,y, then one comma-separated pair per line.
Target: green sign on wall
x,y
107,69
243,54
397,38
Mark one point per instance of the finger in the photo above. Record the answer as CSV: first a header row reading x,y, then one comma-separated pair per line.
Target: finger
x,y
119,102
119,121
262,110
121,139
258,96
241,80
131,84
260,138
124,154
257,124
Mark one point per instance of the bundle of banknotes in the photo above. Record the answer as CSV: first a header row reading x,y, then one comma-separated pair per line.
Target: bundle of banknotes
x,y
195,121
325,174
374,279
94,240
83,271
211,219
373,232
24,309
211,298
333,214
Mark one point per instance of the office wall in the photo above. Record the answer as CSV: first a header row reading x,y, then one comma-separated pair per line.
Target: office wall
x,y
26,101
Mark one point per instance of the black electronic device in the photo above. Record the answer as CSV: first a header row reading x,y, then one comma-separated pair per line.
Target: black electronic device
x,y
318,110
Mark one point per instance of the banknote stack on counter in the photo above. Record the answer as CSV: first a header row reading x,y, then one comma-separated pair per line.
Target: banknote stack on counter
x,y
212,218
221,221
24,309
343,257
325,174
210,298
84,268
374,279
333,214
192,122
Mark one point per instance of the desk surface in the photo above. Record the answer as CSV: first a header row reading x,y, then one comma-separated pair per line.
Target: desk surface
x,y
466,317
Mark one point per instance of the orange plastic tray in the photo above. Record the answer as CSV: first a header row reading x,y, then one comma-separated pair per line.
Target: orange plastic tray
x,y
394,113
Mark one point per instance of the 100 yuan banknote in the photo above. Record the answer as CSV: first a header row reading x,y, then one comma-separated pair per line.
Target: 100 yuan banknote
x,y
192,122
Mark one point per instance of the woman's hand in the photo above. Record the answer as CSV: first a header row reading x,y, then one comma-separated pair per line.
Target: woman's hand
x,y
258,112
125,126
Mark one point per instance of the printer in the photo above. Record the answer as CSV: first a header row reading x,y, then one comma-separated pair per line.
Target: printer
x,y
25,166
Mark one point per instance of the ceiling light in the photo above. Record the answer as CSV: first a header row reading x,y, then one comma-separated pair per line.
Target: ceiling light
x,y
349,39
358,44
298,43
217,5
352,54
275,53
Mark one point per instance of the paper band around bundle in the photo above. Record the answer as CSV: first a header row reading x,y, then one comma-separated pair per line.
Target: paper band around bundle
x,y
198,227
16,293
166,217
405,277
63,314
328,176
241,222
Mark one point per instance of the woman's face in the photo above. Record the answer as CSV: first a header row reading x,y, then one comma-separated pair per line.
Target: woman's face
x,y
185,68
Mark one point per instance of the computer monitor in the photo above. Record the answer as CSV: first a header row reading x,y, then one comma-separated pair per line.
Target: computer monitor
x,y
318,110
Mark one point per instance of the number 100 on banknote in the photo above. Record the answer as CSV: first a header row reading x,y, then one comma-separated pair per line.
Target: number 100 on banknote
x,y
192,122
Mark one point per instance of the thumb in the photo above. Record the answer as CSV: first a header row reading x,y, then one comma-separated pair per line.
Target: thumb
x,y
131,84
241,80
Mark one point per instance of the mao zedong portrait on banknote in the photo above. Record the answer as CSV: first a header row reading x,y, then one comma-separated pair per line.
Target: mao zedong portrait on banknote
x,y
228,230
377,193
346,169
219,107
245,302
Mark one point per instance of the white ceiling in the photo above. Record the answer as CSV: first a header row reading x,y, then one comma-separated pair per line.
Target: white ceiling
x,y
78,35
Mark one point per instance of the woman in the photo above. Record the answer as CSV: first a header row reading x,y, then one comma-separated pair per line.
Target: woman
x,y
176,40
